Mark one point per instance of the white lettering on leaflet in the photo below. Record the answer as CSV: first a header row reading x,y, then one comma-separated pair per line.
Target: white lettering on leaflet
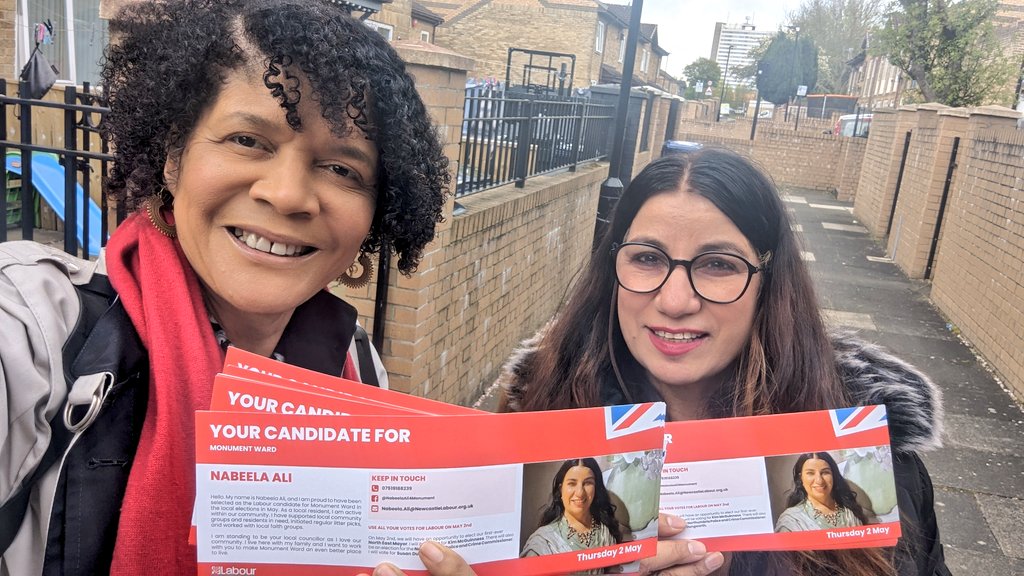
x,y
244,400
251,432
609,553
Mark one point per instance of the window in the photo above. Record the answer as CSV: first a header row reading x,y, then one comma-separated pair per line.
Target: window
x,y
79,36
622,47
599,40
384,30
424,36
643,61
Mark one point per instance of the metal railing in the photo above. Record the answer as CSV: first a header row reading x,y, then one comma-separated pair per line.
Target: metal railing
x,y
510,139
40,167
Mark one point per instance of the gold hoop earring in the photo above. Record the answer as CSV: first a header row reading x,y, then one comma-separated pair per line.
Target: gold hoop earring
x,y
154,204
350,280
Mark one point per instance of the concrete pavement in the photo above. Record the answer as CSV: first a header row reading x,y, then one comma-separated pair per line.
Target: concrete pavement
x,y
979,473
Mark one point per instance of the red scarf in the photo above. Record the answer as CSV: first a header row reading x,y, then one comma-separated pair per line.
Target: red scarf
x,y
161,294
174,326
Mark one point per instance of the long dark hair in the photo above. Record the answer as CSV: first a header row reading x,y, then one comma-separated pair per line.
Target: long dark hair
x,y
170,61
841,491
787,366
601,508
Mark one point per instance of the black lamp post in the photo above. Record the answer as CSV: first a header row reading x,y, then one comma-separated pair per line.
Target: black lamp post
x,y
794,67
612,187
757,108
725,82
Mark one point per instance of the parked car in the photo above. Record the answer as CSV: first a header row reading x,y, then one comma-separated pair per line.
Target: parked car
x,y
679,147
846,123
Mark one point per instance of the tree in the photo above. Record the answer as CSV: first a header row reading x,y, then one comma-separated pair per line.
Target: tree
x,y
787,63
756,54
838,29
703,72
949,48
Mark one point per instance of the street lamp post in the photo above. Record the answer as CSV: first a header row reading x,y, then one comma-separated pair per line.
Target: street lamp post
x,y
725,81
794,67
612,187
757,108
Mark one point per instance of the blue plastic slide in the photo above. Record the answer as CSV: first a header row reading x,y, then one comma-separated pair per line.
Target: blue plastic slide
x,y
48,180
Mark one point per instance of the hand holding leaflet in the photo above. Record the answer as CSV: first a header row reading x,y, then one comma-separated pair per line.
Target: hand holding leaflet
x,y
267,497
784,482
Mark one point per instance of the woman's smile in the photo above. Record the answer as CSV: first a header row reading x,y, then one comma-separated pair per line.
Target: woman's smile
x,y
263,244
675,343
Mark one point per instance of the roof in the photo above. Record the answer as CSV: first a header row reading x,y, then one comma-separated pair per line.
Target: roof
x,y
421,12
648,32
609,75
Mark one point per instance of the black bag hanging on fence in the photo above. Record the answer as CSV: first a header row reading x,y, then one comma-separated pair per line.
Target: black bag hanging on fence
x,y
38,75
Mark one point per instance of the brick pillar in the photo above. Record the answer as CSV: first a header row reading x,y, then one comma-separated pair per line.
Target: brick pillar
x,y
924,180
410,325
880,168
989,117
976,280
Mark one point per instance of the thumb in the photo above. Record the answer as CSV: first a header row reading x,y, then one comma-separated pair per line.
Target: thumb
x,y
669,525
443,561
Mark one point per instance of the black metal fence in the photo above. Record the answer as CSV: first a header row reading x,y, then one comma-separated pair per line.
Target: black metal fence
x,y
508,139
61,177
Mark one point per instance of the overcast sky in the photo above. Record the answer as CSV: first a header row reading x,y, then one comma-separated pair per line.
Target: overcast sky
x,y
686,27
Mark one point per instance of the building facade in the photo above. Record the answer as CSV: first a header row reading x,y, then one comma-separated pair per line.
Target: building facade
x,y
732,44
586,35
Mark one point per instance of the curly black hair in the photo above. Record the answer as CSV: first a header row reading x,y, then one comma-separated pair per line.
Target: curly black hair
x,y
170,59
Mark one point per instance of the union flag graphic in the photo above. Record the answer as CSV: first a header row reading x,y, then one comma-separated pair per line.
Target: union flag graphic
x,y
632,418
846,421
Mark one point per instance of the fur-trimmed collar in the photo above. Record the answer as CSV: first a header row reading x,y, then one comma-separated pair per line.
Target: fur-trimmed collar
x,y
872,376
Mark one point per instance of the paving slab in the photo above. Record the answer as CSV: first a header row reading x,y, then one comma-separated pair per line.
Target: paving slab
x,y
1005,516
963,562
962,523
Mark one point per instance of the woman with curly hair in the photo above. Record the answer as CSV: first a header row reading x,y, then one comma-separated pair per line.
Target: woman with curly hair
x,y
580,515
821,498
262,147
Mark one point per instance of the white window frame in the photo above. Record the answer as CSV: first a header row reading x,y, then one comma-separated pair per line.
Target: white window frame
x,y
622,48
25,43
424,36
385,30
644,61
599,39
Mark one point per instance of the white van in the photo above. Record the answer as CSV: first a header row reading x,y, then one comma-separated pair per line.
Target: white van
x,y
845,124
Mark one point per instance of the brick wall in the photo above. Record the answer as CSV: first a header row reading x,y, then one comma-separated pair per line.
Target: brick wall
x,y
924,179
880,169
979,276
805,159
397,14
488,31
7,54
851,162
507,268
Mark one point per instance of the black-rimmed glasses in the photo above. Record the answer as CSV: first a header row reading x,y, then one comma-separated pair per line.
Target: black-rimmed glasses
x,y
717,277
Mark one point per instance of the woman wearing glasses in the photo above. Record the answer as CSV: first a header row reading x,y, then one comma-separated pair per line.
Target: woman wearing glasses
x,y
697,296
